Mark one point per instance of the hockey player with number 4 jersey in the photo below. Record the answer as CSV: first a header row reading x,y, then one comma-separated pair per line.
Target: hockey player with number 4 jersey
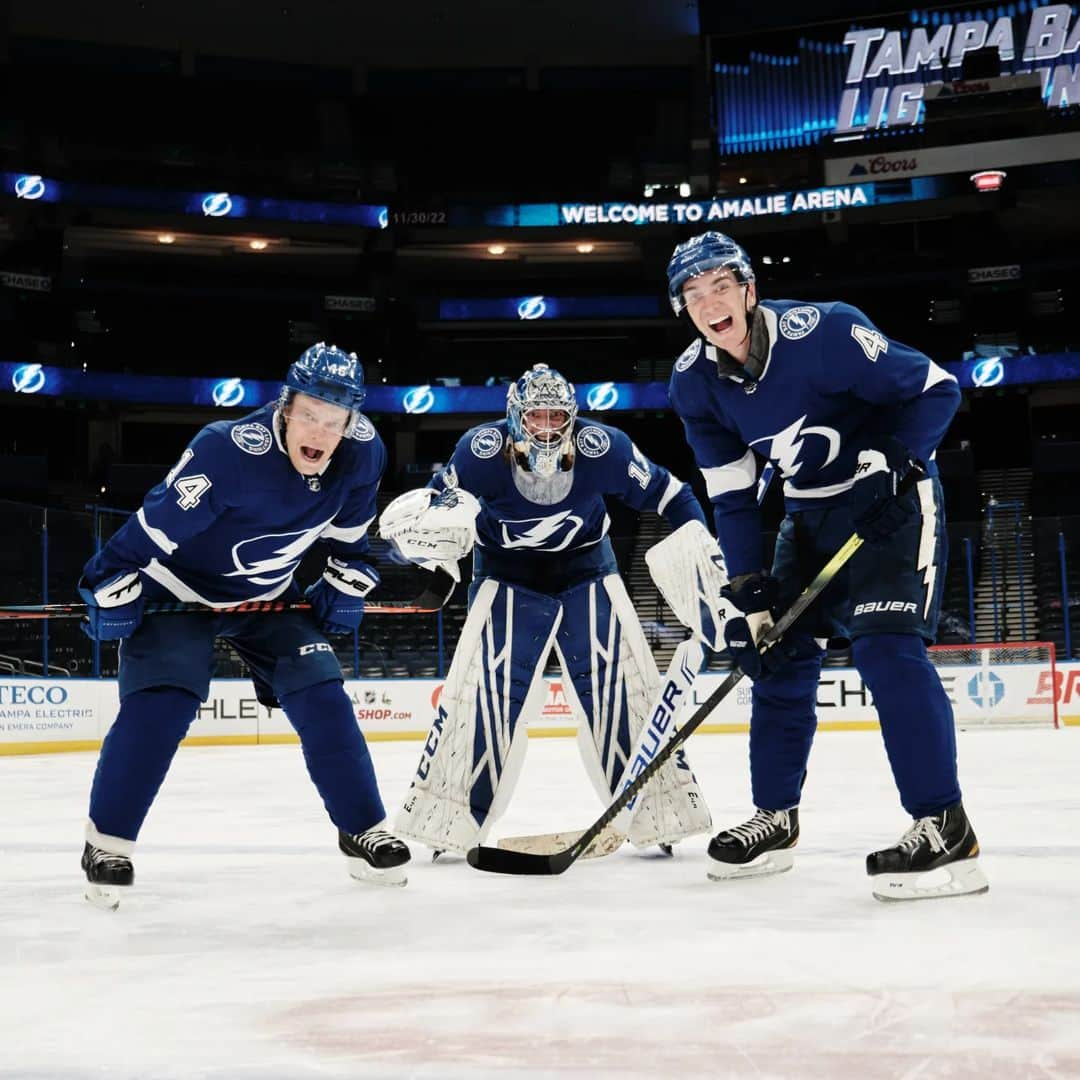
x,y
529,491
843,412
229,524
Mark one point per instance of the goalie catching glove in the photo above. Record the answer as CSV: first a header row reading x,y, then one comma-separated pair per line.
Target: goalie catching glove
x,y
433,529
337,598
688,569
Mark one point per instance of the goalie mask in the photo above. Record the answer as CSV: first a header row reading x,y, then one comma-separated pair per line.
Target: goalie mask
x,y
329,374
709,251
540,413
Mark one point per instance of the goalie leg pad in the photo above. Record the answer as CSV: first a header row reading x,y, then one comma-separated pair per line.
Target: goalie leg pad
x,y
474,750
612,682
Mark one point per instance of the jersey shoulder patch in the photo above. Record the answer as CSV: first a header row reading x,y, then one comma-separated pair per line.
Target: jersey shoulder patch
x,y
252,438
689,355
593,441
363,430
797,322
486,443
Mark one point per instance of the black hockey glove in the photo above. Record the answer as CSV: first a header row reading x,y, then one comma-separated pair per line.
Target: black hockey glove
x,y
877,510
753,596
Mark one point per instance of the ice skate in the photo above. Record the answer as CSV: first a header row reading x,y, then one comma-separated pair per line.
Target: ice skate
x,y
107,876
376,856
755,848
935,857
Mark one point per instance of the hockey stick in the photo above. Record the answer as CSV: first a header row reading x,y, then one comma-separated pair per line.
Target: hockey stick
x,y
673,691
431,600
499,861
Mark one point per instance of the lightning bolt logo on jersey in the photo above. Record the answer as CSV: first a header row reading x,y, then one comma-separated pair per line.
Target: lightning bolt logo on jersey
x,y
831,384
231,523
572,518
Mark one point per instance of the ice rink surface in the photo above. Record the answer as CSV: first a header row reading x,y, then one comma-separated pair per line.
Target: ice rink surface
x,y
245,952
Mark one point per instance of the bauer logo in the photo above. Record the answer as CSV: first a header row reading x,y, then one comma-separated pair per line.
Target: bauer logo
x,y
593,442
601,397
798,322
486,443
217,204
228,393
988,372
29,187
418,399
532,307
28,379
252,438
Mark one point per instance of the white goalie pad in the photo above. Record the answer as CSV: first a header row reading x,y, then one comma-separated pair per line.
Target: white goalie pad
x,y
688,569
612,683
473,754
433,529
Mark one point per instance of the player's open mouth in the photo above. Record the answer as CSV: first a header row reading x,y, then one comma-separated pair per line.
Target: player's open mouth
x,y
720,325
310,453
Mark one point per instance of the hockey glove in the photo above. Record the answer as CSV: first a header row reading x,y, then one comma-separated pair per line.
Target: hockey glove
x,y
876,509
752,597
114,608
337,598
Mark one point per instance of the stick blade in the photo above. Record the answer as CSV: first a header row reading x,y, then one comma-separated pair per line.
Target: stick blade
x,y
611,839
501,861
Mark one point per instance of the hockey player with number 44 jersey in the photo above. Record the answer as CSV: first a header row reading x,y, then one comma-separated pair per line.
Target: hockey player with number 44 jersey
x,y
843,412
529,492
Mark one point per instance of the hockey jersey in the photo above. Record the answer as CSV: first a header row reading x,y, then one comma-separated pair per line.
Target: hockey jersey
x,y
233,518
566,512
832,385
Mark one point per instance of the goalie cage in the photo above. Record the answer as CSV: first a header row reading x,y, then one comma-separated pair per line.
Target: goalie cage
x,y
996,684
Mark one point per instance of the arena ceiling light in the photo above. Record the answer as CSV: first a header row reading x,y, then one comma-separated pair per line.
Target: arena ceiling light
x,y
258,245
586,249
496,249
166,238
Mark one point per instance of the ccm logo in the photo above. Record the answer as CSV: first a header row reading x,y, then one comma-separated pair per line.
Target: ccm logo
x,y
315,646
884,605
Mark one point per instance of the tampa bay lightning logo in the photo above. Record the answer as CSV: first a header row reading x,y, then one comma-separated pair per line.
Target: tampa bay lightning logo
x,y
363,430
28,379
988,372
593,442
690,354
786,446
418,399
532,307
986,689
252,438
548,533
602,396
384,218
486,443
29,187
271,559
799,321
217,204
228,393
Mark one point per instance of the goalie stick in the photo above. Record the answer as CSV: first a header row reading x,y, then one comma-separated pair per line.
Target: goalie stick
x,y
432,599
499,861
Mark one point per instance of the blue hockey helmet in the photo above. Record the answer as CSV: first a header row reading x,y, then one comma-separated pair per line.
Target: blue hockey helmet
x,y
329,374
541,387
708,251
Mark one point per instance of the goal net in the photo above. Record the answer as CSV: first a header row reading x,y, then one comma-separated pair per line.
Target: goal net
x,y
992,684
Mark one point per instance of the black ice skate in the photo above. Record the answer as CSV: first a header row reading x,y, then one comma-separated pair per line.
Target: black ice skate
x,y
935,857
757,847
107,876
375,855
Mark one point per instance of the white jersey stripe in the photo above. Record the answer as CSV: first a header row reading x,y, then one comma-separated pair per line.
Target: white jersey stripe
x,y
735,476
159,538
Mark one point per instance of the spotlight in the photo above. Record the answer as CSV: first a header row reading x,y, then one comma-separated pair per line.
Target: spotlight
x,y
496,249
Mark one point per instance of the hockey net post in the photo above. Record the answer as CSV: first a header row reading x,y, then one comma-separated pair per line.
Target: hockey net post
x,y
1000,684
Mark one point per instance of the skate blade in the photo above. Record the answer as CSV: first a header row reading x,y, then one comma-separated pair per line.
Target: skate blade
x,y
769,862
106,897
954,879
363,871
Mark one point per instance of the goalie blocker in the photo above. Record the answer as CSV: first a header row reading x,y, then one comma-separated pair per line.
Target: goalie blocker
x,y
473,754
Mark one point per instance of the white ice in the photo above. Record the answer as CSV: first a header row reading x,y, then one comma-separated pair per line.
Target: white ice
x,y
246,952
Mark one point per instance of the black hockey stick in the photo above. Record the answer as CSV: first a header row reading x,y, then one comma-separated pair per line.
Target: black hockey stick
x,y
432,599
502,861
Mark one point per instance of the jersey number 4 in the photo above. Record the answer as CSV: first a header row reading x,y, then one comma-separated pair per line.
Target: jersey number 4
x,y
870,341
191,488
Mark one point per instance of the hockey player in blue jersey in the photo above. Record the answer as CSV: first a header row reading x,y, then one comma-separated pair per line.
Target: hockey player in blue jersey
x,y
230,523
843,412
529,490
